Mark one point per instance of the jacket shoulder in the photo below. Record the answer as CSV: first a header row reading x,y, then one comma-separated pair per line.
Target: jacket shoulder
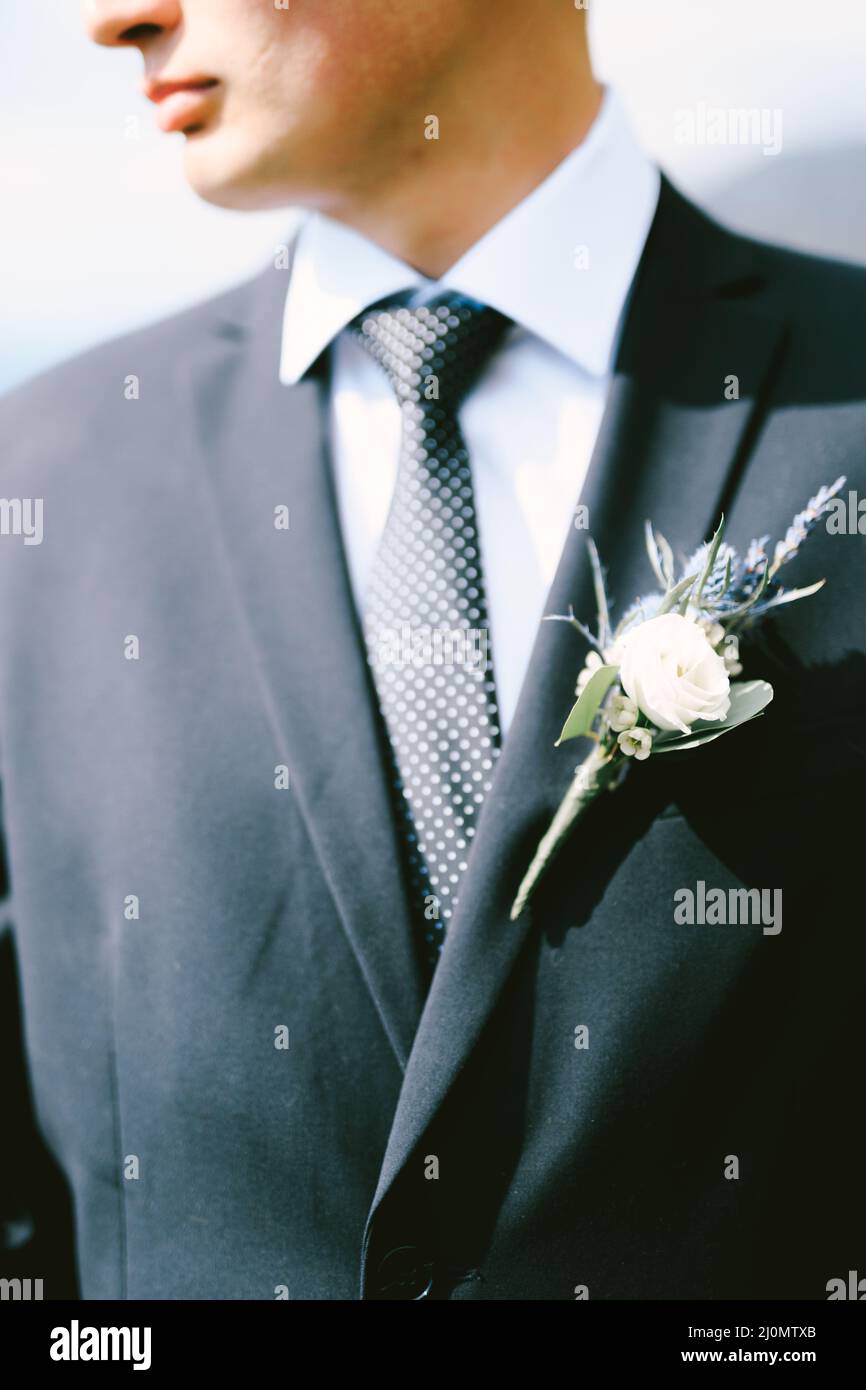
x,y
65,404
802,285
813,288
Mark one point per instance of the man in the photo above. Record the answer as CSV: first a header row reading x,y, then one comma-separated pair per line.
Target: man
x,y
282,1037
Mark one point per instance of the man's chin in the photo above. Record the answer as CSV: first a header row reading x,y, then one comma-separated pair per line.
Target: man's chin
x,y
223,176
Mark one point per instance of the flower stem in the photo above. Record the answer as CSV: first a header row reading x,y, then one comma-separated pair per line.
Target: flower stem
x,y
589,779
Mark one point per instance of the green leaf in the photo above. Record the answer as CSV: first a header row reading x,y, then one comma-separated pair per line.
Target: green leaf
x,y
579,722
711,559
600,593
661,557
667,559
748,700
727,584
728,613
652,551
791,595
673,596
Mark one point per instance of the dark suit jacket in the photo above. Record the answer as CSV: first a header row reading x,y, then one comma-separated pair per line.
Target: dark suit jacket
x,y
155,1137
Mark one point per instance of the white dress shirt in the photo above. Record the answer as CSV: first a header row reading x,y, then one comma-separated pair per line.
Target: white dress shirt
x,y
560,264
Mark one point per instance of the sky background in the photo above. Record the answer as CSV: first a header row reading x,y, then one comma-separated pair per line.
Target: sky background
x,y
99,233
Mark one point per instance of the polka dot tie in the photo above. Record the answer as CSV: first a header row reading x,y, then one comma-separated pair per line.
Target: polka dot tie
x,y
426,624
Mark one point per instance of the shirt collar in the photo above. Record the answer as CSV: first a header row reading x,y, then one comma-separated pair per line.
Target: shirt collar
x,y
560,264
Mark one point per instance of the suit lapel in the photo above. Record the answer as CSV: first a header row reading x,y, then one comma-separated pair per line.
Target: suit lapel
x,y
670,448
262,445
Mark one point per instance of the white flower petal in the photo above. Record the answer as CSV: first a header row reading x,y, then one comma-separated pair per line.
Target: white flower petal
x,y
669,668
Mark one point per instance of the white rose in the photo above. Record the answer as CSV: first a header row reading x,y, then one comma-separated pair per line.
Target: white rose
x,y
671,671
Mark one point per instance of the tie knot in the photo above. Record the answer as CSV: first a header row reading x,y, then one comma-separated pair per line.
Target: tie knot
x,y
433,350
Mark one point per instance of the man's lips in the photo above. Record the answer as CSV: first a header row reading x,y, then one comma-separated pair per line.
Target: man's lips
x,y
181,103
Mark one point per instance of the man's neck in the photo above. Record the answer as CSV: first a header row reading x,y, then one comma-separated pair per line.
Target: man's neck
x,y
491,152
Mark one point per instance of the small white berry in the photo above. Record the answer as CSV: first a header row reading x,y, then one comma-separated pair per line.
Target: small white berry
x,y
636,743
621,712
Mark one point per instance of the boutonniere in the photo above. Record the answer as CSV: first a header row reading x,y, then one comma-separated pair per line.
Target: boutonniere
x,y
660,681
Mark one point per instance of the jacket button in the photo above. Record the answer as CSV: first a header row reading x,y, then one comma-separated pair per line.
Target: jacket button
x,y
404,1273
